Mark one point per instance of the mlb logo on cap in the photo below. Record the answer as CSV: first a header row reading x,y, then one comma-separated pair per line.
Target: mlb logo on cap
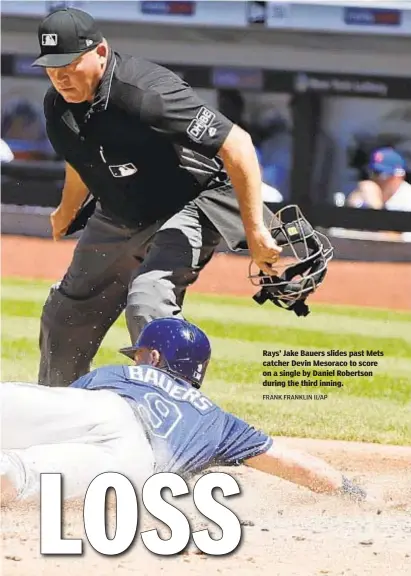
x,y
49,39
64,36
378,157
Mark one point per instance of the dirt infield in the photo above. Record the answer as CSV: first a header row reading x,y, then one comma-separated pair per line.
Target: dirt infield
x,y
288,531
381,285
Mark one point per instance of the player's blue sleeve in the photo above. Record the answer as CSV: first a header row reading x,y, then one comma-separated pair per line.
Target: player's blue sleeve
x,y
241,441
84,381
103,377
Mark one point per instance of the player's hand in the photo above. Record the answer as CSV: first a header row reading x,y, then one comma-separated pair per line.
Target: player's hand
x,y
60,221
264,250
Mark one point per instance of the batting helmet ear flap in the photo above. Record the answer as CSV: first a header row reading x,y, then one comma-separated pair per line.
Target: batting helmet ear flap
x,y
310,253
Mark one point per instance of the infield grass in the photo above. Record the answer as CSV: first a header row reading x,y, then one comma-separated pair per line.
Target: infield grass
x,y
371,409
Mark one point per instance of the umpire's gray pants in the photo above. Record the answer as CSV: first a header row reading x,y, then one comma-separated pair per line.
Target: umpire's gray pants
x,y
145,271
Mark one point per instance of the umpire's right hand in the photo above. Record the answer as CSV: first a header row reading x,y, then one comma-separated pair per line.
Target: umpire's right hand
x,y
263,249
60,221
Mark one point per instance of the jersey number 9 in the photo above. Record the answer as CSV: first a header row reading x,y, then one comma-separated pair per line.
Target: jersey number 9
x,y
160,415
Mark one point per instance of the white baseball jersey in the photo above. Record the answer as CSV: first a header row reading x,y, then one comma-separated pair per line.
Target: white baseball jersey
x,y
401,200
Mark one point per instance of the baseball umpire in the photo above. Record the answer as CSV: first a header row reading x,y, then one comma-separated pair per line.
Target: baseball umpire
x,y
154,175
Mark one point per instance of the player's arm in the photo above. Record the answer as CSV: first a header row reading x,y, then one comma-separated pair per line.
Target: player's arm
x,y
243,444
175,109
303,469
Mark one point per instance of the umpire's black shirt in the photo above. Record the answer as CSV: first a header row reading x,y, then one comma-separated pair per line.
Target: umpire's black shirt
x,y
146,145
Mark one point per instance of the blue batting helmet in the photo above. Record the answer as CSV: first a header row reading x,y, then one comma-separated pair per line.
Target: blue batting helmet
x,y
184,348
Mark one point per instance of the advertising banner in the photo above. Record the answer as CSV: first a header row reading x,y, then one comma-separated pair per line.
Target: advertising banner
x,y
311,15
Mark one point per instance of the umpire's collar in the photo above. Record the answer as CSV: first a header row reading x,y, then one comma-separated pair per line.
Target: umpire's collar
x,y
103,90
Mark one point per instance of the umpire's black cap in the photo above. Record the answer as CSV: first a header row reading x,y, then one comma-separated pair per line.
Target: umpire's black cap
x,y
64,35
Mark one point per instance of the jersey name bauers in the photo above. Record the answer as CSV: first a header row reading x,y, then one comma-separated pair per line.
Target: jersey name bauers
x,y
174,390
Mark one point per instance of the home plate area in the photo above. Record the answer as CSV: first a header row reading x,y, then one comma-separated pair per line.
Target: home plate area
x,y
287,530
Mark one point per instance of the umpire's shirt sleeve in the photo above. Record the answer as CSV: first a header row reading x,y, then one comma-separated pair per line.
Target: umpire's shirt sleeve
x,y
51,117
169,105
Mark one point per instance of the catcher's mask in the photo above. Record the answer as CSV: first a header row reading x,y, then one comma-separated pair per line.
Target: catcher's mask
x,y
309,252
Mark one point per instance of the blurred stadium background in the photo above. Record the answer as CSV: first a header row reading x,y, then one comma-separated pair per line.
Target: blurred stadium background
x,y
317,83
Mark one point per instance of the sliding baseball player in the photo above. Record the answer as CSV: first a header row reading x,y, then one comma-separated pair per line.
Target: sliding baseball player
x,y
138,420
